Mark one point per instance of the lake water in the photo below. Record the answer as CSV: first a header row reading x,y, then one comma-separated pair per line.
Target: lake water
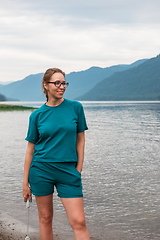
x,y
121,176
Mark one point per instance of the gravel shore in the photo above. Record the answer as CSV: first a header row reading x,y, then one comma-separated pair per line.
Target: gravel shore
x,y
9,232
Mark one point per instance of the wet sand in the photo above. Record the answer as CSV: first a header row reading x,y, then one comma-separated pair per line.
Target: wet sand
x,y
12,232
9,235
11,229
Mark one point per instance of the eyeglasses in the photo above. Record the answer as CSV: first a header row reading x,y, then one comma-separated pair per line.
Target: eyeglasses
x,y
58,83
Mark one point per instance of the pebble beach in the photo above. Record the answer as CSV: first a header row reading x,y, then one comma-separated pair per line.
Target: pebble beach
x,y
14,230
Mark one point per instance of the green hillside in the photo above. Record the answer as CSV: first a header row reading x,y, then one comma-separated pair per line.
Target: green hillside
x,y
138,83
81,82
2,98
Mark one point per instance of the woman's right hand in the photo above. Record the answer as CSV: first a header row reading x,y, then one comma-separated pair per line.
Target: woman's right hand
x,y
27,192
27,164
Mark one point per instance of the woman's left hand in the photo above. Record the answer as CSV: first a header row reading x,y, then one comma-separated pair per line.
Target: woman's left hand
x,y
78,170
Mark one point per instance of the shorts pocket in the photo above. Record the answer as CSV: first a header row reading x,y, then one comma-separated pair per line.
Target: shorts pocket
x,y
33,173
32,164
78,172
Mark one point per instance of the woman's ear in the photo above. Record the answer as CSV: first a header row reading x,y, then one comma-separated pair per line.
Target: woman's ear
x,y
45,85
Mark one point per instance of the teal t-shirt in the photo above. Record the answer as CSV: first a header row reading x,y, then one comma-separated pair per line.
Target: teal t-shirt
x,y
54,131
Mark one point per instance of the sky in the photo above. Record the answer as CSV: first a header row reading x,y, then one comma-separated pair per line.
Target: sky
x,y
75,35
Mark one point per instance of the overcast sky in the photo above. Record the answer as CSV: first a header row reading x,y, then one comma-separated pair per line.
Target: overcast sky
x,y
75,35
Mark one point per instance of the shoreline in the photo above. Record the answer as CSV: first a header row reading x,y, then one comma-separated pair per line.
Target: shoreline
x,y
13,229
11,234
9,107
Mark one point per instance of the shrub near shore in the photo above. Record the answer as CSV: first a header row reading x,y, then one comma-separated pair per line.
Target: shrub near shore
x,y
6,107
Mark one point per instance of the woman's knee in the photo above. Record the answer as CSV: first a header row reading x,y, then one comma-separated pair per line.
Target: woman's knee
x,y
45,218
78,223
45,208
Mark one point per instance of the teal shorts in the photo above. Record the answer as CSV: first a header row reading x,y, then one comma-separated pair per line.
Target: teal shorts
x,y
64,176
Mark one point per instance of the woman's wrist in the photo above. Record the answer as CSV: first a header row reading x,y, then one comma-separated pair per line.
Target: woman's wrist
x,y
25,183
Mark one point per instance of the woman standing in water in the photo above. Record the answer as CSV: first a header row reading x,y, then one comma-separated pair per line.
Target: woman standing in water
x,y
54,156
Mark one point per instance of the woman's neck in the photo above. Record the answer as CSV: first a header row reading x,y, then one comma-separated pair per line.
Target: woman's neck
x,y
54,102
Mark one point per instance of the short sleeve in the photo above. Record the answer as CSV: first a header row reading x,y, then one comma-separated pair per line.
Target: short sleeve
x,y
32,134
81,125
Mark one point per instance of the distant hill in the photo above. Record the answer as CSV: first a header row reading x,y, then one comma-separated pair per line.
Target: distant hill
x,y
29,89
2,98
138,83
4,83
82,82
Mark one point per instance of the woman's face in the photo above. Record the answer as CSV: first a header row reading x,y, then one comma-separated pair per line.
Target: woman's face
x,y
55,92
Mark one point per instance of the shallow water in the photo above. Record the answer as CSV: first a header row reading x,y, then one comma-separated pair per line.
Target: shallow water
x,y
121,170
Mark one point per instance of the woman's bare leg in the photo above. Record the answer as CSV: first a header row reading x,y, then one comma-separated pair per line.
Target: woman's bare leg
x,y
75,212
45,212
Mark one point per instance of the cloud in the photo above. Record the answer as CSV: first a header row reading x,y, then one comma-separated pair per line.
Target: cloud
x,y
35,35
106,11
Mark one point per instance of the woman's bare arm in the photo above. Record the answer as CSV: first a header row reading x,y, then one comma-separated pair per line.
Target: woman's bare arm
x,y
80,144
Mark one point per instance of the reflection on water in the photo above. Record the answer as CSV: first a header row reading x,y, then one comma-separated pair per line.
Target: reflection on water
x,y
121,170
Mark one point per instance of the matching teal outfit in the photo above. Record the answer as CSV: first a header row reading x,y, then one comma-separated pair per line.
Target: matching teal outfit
x,y
54,130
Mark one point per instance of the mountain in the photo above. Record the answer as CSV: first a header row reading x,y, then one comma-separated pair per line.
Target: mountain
x,y
2,98
82,82
4,83
139,83
29,89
